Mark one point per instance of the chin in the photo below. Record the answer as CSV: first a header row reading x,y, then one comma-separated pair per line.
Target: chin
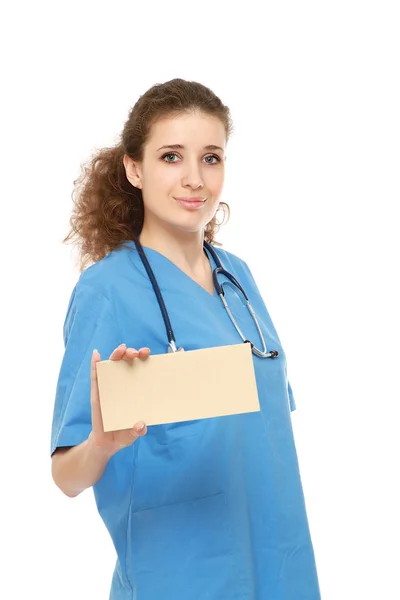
x,y
189,228
191,224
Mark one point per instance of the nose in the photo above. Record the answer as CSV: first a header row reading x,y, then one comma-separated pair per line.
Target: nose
x,y
193,177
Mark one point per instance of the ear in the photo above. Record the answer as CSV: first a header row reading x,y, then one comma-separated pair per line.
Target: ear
x,y
133,171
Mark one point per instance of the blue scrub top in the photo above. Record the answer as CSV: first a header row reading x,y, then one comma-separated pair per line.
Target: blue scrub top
x,y
211,509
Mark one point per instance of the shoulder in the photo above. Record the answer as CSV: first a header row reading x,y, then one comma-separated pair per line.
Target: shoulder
x,y
104,277
224,254
98,286
239,268
231,261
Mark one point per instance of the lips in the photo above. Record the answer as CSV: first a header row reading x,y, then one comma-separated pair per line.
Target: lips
x,y
190,199
191,203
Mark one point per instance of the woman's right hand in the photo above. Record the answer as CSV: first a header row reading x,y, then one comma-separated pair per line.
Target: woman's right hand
x,y
112,441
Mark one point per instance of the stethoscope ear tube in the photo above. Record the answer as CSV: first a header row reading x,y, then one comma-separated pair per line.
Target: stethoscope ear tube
x,y
170,334
220,291
218,286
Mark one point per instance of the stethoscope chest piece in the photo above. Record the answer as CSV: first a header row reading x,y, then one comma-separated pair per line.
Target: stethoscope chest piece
x,y
172,348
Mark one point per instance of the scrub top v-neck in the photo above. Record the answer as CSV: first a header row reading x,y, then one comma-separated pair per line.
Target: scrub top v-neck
x,y
211,509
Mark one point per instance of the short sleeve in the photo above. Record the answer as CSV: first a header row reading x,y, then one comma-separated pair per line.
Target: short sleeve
x,y
89,325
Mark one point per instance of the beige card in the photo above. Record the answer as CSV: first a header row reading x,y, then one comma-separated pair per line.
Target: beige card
x,y
181,386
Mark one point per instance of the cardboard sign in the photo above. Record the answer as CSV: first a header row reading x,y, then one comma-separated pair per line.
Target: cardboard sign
x,y
181,386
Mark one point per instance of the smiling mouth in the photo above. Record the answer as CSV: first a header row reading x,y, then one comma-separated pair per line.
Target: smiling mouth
x,y
189,199
191,203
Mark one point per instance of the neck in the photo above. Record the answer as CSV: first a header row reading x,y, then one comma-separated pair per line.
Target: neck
x,y
184,249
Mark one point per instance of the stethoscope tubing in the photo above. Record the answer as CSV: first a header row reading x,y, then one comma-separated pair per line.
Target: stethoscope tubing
x,y
220,291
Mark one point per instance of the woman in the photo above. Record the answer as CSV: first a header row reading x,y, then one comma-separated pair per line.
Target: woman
x,y
207,509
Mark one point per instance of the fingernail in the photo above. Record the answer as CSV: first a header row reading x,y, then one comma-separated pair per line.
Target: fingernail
x,y
141,427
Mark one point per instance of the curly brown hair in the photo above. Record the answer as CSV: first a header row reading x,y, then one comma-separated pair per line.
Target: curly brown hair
x,y
108,210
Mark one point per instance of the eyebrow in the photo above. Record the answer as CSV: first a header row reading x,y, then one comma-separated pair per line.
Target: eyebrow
x,y
180,147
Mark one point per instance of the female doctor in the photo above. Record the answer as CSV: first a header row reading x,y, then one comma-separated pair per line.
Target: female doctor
x,y
211,509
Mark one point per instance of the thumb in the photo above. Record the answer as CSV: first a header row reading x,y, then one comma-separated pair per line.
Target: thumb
x,y
96,355
95,359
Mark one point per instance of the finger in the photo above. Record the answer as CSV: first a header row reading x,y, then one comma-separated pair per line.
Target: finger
x,y
139,430
130,354
131,435
118,352
97,420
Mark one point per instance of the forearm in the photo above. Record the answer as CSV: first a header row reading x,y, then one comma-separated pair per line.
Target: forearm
x,y
78,468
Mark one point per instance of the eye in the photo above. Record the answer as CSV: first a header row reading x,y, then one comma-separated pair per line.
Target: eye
x,y
169,154
210,156
217,158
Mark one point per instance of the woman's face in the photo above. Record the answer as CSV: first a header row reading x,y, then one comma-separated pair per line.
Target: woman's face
x,y
183,160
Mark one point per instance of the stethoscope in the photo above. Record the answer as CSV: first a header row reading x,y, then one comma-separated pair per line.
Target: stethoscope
x,y
220,291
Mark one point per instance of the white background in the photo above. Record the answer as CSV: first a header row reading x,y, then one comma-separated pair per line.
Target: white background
x,y
313,184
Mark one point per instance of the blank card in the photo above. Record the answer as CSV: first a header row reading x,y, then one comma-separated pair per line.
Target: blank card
x,y
181,386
